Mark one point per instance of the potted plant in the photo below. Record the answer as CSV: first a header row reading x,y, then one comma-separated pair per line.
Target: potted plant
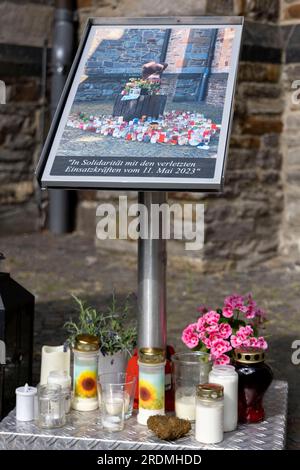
x,y
220,331
117,337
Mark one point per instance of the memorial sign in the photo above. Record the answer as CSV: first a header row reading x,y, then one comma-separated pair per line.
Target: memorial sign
x,y
147,105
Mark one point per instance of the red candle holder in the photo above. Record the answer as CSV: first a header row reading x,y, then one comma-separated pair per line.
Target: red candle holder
x,y
254,379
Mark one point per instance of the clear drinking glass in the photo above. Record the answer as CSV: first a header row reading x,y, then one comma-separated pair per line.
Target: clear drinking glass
x,y
127,384
51,406
189,370
112,405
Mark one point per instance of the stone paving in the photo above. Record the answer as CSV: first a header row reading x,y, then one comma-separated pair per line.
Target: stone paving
x,y
54,267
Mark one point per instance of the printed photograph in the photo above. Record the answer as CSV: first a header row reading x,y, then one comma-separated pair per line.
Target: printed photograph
x,y
150,92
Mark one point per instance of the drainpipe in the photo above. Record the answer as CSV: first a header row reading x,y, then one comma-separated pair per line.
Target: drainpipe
x,y
204,82
62,204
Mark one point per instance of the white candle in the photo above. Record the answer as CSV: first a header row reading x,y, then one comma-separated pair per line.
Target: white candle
x,y
25,405
227,376
84,404
209,422
54,358
185,407
114,406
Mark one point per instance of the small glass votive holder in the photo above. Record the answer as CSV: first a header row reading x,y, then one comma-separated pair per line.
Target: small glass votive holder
x,y
112,406
51,406
127,386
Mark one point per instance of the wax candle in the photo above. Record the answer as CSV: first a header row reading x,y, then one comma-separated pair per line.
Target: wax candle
x,y
209,413
151,383
227,376
85,372
64,380
25,404
185,407
54,358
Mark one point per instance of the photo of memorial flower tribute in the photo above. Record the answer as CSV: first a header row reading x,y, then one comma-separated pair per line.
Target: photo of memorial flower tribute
x,y
150,92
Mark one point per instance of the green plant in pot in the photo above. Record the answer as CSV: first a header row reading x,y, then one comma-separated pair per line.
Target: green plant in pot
x,y
117,336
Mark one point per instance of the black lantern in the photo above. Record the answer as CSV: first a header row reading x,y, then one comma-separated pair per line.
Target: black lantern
x,y
16,339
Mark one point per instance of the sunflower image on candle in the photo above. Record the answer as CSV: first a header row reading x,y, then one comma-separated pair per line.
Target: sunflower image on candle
x,y
151,395
85,372
151,383
86,384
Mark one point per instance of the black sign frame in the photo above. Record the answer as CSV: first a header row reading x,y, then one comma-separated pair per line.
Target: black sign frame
x,y
142,182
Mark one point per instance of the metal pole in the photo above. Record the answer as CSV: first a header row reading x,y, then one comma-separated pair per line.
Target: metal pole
x,y
152,261
61,203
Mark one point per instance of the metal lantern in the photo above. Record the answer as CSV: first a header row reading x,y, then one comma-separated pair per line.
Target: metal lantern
x,y
16,339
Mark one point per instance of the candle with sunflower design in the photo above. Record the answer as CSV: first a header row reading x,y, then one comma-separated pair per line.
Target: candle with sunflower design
x,y
151,383
86,351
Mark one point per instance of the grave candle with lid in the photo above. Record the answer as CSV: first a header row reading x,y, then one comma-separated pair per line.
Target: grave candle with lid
x,y
151,383
254,379
86,352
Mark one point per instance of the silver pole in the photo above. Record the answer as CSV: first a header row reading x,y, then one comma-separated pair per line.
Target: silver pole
x,y
152,261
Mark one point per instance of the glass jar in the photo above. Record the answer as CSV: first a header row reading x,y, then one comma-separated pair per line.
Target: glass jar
x,y
189,370
85,372
151,383
227,376
254,379
51,406
63,379
209,413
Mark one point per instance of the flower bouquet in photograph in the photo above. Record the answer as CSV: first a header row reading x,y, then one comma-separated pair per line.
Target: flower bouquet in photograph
x,y
220,331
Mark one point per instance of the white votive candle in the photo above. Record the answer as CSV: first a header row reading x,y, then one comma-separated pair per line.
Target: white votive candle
x,y
25,403
114,406
185,407
209,414
228,377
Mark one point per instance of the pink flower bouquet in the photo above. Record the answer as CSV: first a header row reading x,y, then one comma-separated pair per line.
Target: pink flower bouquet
x,y
220,331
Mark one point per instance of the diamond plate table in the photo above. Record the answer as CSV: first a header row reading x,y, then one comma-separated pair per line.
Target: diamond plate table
x,y
83,431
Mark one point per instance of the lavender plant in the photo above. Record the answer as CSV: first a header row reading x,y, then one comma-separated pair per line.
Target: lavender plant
x,y
110,326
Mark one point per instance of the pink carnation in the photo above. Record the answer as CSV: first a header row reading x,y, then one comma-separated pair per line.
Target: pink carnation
x,y
211,317
262,343
207,342
234,302
219,347
236,341
213,328
222,360
225,330
244,331
227,312
200,323
190,336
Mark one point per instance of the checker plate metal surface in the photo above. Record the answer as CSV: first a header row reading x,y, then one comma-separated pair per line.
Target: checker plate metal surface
x,y
83,431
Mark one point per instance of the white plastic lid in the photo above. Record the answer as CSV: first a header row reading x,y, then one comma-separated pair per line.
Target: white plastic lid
x,y
59,377
26,391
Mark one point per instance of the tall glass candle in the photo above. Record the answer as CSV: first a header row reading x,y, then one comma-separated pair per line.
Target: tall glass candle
x,y
227,376
151,383
85,372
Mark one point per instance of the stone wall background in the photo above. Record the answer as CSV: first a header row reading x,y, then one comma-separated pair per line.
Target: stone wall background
x,y
256,217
